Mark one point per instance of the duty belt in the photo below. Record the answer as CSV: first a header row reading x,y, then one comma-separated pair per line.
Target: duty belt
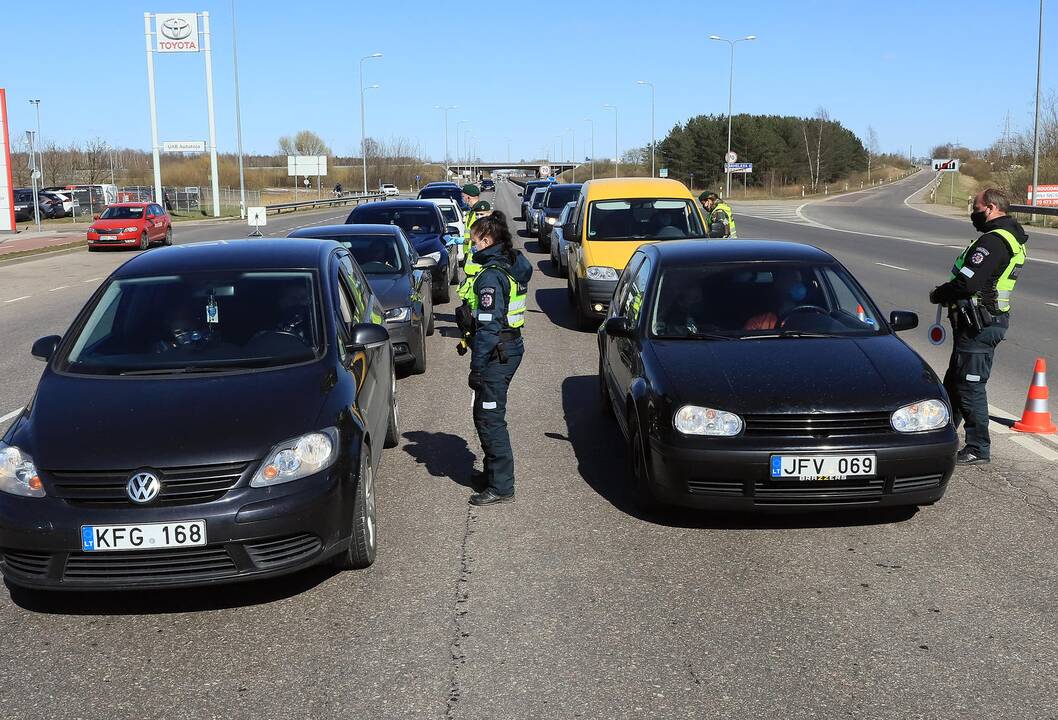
x,y
510,334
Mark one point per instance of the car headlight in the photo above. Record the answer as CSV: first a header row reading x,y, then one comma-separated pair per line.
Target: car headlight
x,y
298,458
398,314
552,221
436,256
694,420
129,229
597,272
920,416
18,474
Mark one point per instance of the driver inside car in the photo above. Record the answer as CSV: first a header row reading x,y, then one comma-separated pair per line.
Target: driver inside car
x,y
294,311
184,329
787,293
684,314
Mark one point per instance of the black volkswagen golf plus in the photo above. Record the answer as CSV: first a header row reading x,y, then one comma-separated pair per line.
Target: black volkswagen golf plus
x,y
216,412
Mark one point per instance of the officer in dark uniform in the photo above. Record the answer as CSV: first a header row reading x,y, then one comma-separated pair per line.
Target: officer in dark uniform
x,y
978,300
498,306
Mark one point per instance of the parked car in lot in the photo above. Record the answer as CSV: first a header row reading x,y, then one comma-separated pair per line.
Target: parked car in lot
x,y
558,240
527,193
390,190
444,190
398,277
58,206
532,220
761,376
555,198
216,412
423,224
614,217
134,225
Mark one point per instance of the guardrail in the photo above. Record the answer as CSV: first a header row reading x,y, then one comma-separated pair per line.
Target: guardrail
x,y
1030,210
323,202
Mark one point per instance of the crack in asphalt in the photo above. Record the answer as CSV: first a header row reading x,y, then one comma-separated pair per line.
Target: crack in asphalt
x,y
457,655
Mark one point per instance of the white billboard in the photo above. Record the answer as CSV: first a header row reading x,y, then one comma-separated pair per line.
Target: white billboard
x,y
176,32
306,165
7,190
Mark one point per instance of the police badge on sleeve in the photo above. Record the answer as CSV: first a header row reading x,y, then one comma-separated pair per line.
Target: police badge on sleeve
x,y
487,298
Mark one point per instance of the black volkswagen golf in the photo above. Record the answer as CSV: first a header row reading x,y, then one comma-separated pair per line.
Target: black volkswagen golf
x,y
216,412
759,375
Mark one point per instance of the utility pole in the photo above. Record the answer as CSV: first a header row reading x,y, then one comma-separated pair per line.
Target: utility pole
x,y
363,137
1036,125
40,140
730,95
238,114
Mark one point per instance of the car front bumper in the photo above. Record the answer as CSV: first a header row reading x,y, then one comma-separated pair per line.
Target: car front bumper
x,y
405,341
251,533
595,295
915,473
121,239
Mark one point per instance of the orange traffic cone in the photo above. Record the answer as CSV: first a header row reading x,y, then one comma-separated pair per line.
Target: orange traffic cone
x,y
860,313
1037,418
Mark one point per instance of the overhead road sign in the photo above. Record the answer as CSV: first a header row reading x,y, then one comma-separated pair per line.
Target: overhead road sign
x,y
734,167
945,165
184,146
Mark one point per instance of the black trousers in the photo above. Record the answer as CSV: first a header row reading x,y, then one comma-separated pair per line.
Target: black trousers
x,y
490,418
968,372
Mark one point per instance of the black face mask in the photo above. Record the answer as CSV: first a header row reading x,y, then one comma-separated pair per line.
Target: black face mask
x,y
979,220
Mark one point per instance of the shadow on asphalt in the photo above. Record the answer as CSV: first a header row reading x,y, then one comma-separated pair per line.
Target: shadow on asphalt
x,y
554,302
174,600
601,461
444,455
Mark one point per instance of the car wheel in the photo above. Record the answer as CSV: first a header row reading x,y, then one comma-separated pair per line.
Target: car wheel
x,y
430,322
604,392
363,541
418,365
92,248
145,242
168,237
639,468
544,244
393,426
443,293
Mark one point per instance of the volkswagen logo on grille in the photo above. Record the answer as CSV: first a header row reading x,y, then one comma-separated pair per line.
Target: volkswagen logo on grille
x,y
143,487
176,28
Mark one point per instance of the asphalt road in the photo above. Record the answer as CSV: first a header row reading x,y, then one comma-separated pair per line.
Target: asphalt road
x,y
567,603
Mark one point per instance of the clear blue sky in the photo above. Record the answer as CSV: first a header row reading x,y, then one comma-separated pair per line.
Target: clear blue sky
x,y
528,71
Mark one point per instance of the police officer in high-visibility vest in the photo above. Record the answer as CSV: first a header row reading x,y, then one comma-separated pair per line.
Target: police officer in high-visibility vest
x,y
978,298
498,305
471,193
718,215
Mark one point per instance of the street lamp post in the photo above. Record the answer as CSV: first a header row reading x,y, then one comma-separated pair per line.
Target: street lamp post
x,y
33,176
653,141
573,151
238,114
592,122
1036,125
40,141
616,146
445,109
363,136
730,87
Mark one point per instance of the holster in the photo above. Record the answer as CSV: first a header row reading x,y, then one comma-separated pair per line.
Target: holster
x,y
969,316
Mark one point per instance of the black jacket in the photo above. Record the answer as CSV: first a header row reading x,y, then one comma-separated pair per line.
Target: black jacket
x,y
985,262
492,287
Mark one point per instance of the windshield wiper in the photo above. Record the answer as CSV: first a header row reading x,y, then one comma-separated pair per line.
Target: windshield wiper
x,y
188,370
697,336
789,334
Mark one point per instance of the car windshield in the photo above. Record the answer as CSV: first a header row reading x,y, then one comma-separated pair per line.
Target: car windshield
x,y
643,219
122,213
749,300
199,322
559,196
442,191
413,220
376,254
449,213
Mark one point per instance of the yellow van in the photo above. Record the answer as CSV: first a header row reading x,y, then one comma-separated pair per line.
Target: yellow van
x,y
612,218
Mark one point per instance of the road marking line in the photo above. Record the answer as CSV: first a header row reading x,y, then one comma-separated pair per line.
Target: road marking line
x,y
894,267
16,299
61,287
95,279
1037,447
11,414
1053,304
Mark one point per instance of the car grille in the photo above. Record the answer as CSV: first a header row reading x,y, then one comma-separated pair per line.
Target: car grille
x,y
816,425
28,563
180,485
866,491
913,484
203,563
283,551
734,488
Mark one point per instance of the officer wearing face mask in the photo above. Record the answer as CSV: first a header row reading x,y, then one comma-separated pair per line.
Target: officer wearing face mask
x,y
978,296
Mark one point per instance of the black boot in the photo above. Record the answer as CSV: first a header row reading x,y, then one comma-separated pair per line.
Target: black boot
x,y
969,456
488,496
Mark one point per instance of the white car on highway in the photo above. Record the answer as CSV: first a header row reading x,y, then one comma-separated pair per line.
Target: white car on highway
x,y
390,190
453,216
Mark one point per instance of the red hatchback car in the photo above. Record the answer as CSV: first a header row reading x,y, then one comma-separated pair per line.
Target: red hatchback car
x,y
132,224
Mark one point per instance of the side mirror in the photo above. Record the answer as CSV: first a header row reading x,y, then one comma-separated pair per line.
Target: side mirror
x,y
451,230
617,327
569,231
903,320
366,335
425,263
44,348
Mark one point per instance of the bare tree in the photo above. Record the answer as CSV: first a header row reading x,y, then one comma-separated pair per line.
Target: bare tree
x,y
872,149
94,166
305,142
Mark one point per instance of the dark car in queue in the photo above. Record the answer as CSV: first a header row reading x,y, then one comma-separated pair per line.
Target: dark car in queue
x,y
527,193
488,185
555,199
751,375
424,225
444,190
216,412
398,277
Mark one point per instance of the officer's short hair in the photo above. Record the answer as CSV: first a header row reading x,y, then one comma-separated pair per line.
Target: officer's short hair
x,y
997,197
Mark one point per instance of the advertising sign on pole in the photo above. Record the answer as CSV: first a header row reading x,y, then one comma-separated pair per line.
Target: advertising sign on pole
x,y
306,165
1048,195
177,32
7,187
945,164
198,146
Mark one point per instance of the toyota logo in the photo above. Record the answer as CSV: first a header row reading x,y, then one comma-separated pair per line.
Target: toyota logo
x,y
176,28
143,487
